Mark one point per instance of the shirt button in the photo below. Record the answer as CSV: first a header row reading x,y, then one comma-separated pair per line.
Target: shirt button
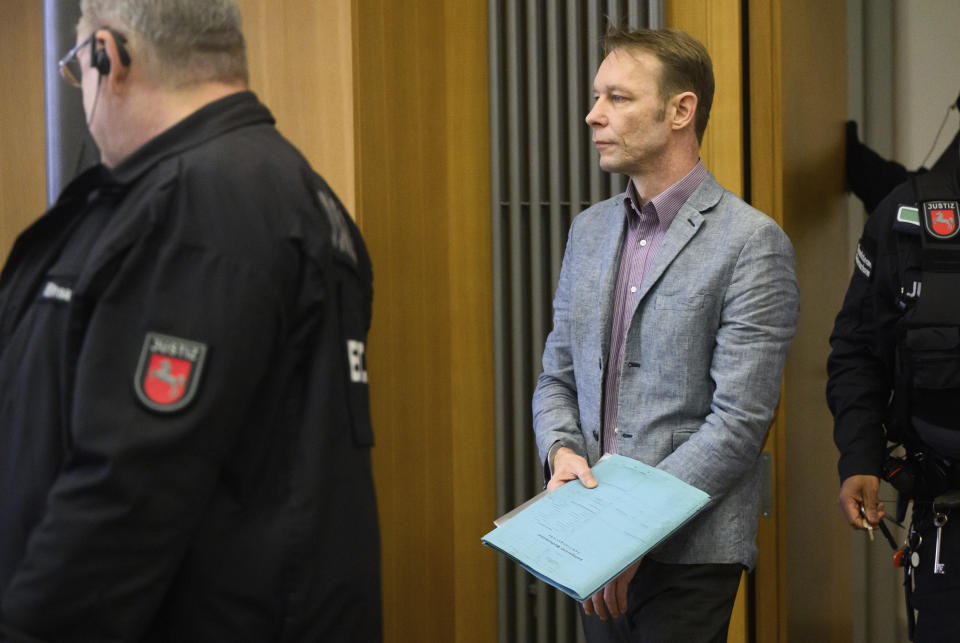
x,y
643,242
616,430
633,289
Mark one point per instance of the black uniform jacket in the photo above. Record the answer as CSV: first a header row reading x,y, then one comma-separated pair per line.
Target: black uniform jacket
x,y
184,429
886,284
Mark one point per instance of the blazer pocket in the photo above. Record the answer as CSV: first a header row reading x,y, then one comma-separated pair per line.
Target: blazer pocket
x,y
682,302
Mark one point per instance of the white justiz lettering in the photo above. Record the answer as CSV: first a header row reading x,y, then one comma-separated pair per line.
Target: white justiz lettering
x,y
174,348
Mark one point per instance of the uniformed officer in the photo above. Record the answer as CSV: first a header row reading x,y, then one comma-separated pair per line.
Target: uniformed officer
x,y
894,380
184,424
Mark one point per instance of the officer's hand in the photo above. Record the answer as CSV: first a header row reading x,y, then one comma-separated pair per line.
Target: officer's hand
x,y
611,601
860,490
567,466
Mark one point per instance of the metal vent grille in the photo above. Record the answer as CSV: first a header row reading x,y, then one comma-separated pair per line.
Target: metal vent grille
x,y
543,56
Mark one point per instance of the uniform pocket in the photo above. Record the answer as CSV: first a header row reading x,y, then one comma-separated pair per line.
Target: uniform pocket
x,y
934,357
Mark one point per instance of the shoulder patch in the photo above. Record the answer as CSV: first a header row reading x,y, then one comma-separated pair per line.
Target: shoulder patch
x,y
864,262
908,220
907,214
941,219
168,372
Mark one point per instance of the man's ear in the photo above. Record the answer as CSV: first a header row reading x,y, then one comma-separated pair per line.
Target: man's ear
x,y
684,110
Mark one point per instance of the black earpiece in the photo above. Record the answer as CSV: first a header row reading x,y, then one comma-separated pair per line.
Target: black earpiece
x,y
99,59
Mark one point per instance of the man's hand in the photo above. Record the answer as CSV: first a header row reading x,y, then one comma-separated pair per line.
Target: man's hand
x,y
567,466
861,490
611,601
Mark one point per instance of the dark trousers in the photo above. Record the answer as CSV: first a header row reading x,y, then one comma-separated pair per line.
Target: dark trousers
x,y
936,597
666,602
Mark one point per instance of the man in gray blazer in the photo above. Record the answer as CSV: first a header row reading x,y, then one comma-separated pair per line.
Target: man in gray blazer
x,y
675,307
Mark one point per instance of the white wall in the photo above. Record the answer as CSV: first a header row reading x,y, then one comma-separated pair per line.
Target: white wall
x,y
926,73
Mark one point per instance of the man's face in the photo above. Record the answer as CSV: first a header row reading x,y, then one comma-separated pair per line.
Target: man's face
x,y
628,117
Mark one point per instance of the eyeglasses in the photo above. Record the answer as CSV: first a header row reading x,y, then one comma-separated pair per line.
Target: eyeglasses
x,y
70,65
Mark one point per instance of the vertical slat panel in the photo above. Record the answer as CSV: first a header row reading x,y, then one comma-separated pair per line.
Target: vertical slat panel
x,y
613,13
575,90
656,16
517,303
559,219
581,637
544,54
535,87
538,285
505,602
555,141
615,18
636,13
591,40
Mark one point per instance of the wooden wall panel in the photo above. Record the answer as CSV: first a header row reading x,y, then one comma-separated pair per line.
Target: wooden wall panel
x,y
301,66
22,135
469,262
766,180
814,108
423,190
798,107
716,23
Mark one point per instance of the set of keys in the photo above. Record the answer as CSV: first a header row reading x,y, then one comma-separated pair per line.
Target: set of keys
x,y
941,514
939,520
942,505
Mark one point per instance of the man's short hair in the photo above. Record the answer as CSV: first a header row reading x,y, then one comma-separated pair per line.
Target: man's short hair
x,y
685,61
180,42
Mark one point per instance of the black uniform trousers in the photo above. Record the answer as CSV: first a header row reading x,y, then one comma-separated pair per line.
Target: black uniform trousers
x,y
670,602
936,597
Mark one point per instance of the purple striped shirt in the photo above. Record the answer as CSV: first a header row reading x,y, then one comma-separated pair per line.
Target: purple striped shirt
x,y
646,228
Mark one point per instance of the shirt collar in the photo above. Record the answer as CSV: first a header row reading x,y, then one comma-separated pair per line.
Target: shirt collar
x,y
667,204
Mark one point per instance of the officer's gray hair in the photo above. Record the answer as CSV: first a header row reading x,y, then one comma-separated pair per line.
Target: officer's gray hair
x,y
180,42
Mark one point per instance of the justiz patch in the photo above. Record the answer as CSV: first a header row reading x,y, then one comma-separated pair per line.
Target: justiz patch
x,y
940,219
168,372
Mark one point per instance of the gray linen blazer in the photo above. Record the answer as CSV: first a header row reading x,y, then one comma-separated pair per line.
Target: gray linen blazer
x,y
703,358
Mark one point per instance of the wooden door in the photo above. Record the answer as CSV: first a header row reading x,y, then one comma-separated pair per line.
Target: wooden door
x,y
22,137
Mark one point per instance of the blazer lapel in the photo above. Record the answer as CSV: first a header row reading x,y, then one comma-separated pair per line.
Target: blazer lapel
x,y
685,225
609,266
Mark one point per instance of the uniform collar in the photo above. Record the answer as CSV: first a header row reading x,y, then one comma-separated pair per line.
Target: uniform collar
x,y
210,121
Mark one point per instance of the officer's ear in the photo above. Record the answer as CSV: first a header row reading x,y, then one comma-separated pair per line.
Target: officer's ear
x,y
110,57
